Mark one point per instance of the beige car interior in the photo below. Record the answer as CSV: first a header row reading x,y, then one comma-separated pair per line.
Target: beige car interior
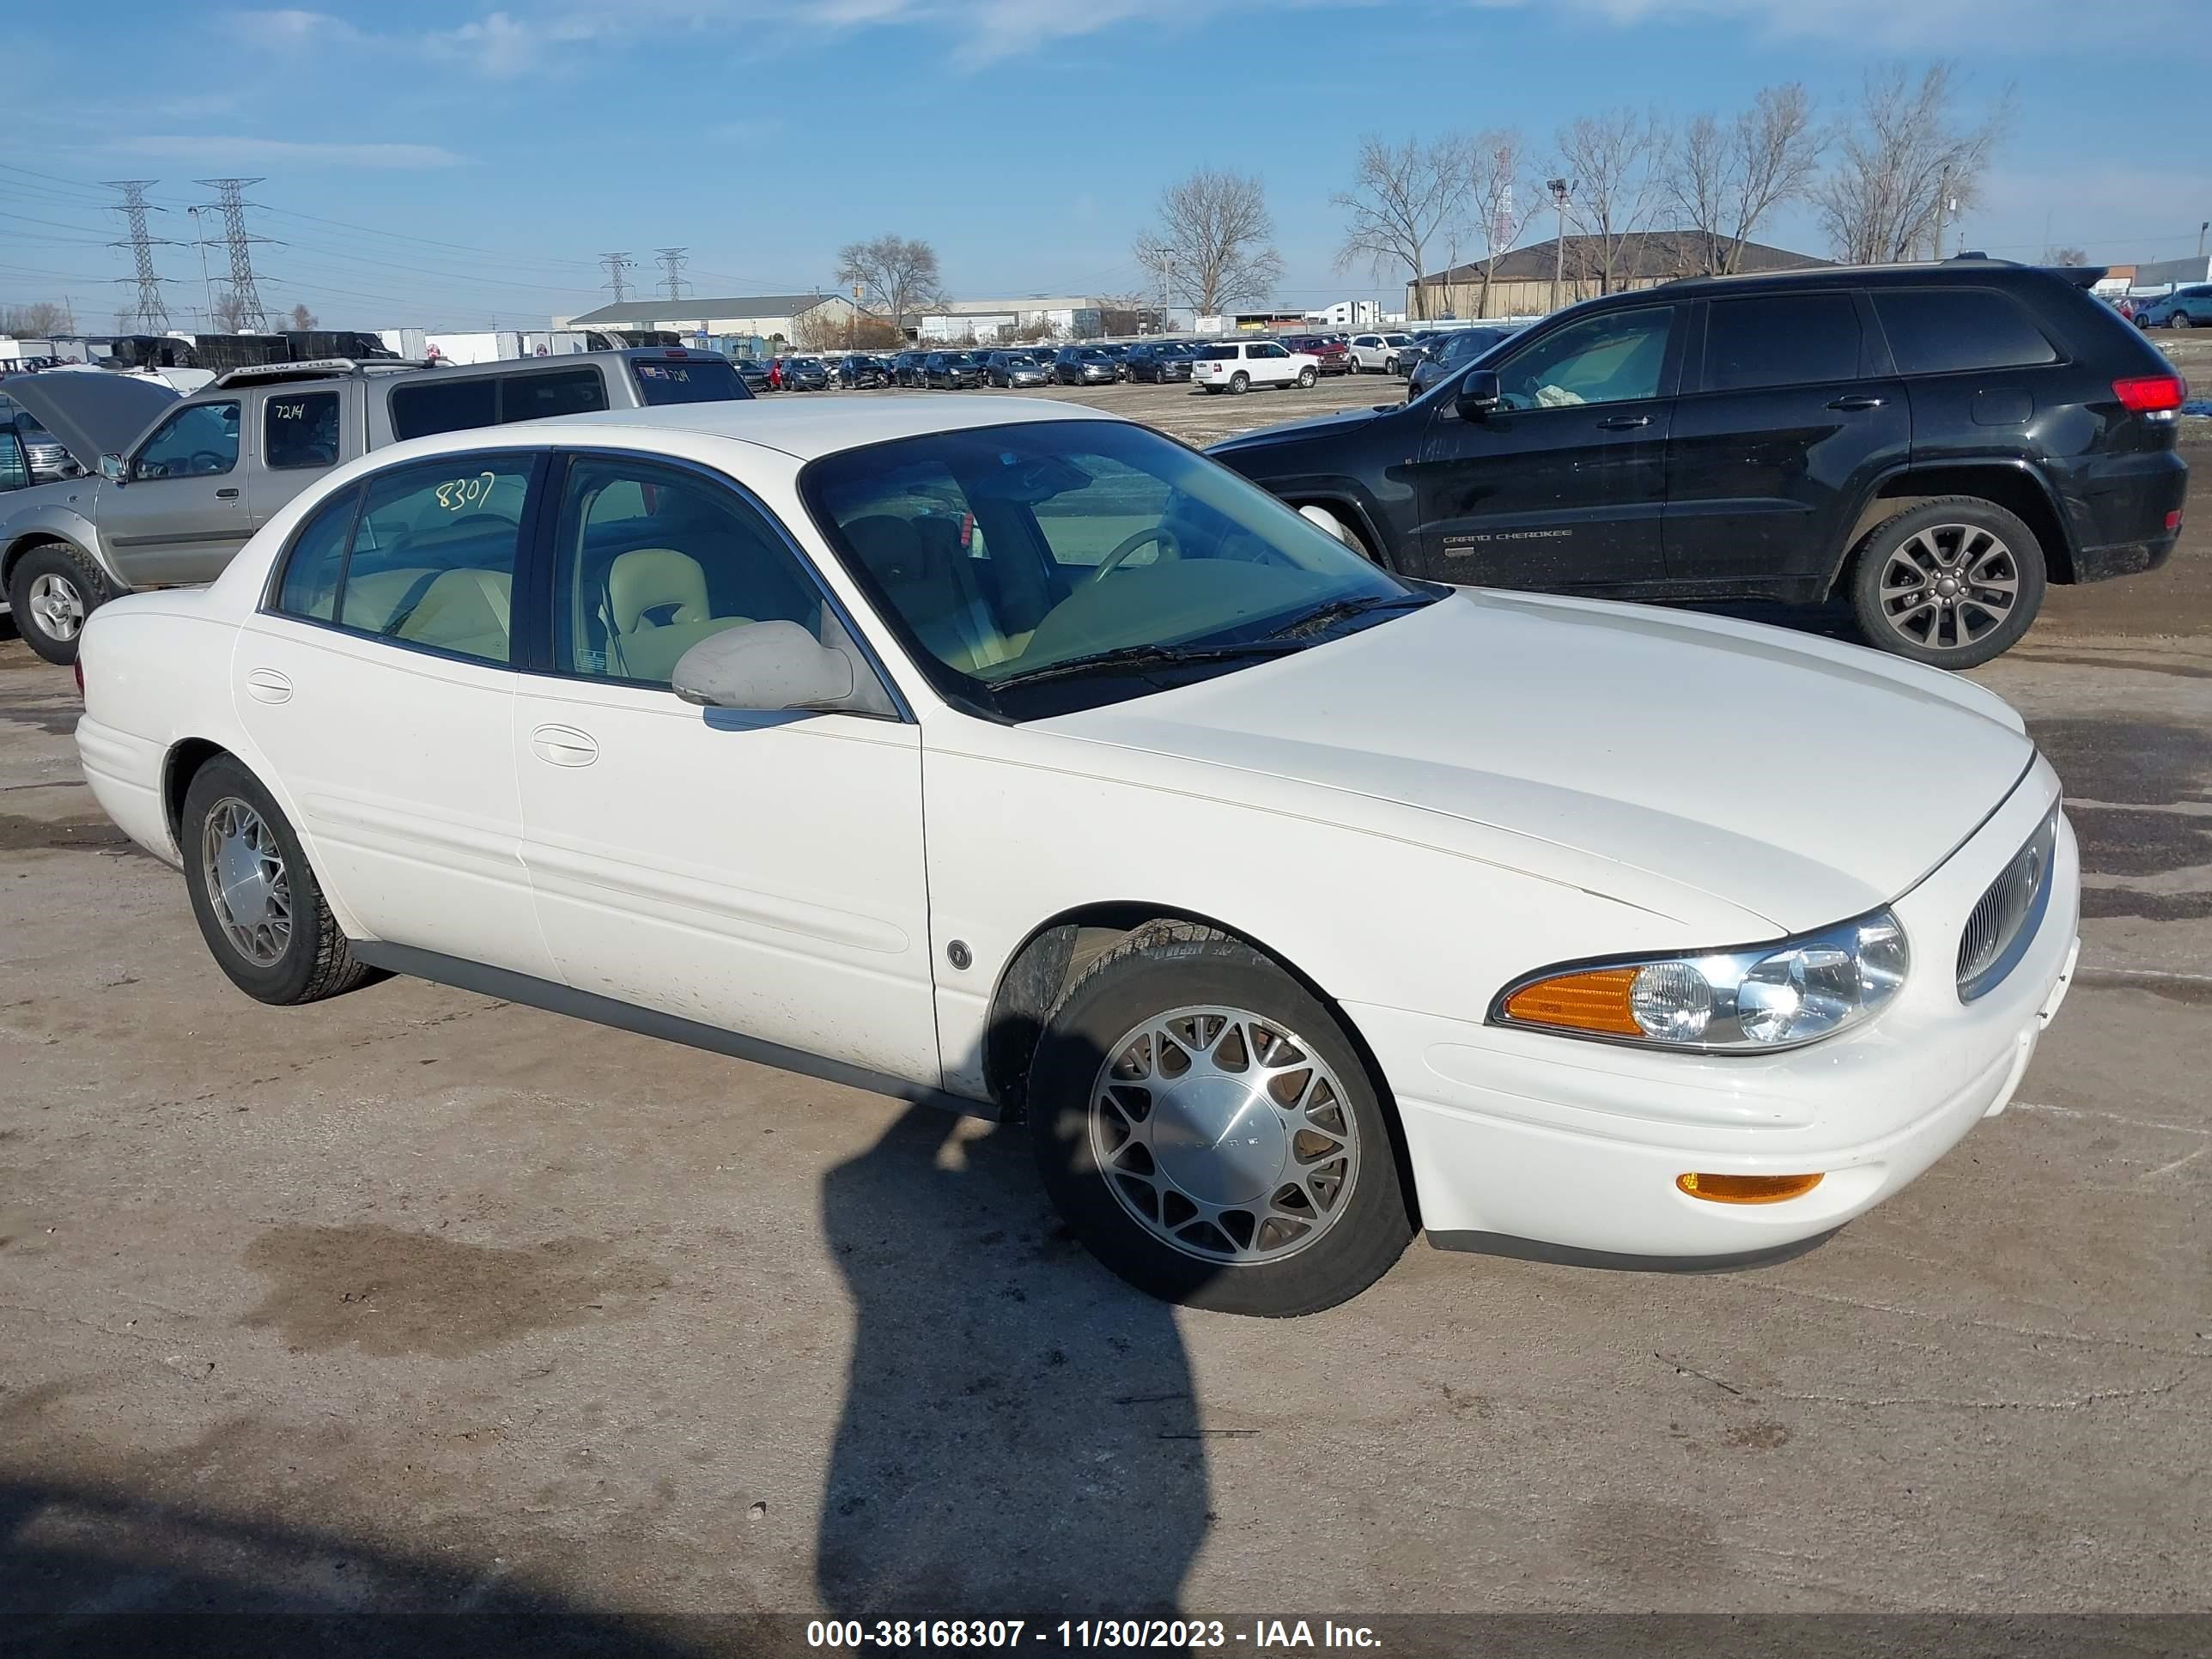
x,y
420,596
935,589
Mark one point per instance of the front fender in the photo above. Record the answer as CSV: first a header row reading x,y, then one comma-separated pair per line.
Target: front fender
x,y
59,512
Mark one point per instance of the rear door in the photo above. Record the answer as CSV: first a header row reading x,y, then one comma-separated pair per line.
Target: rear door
x,y
181,511
1786,420
1562,486
304,434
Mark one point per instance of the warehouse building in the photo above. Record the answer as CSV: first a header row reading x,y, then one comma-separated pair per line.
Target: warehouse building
x,y
983,321
1521,282
768,316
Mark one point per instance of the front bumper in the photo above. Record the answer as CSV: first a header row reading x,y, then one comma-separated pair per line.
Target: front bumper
x,y
1577,1145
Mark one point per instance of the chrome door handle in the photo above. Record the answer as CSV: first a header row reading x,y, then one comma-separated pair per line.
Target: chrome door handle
x,y
1624,422
564,745
227,493
1857,400
268,685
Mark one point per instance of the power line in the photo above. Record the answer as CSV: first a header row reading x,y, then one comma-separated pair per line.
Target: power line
x,y
671,261
150,310
614,264
230,201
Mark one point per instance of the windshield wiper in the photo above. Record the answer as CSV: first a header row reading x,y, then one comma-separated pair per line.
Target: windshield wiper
x,y
1338,609
1142,656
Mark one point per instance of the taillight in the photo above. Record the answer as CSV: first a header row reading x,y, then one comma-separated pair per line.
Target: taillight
x,y
2149,394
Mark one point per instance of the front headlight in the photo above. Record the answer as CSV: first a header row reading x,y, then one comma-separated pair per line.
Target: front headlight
x,y
1754,999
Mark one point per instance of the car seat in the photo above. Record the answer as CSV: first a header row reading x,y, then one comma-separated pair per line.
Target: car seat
x,y
931,590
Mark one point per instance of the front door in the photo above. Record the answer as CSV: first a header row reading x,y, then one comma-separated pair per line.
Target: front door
x,y
181,511
1563,484
758,872
1778,435
378,682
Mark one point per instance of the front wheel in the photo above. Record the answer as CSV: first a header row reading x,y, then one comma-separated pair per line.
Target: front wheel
x,y
1952,582
1209,1133
258,905
53,589
1307,378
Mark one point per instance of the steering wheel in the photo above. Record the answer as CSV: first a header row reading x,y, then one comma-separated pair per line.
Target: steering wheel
x,y
1170,549
206,462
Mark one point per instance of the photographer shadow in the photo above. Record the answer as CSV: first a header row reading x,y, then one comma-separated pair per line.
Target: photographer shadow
x,y
1018,1433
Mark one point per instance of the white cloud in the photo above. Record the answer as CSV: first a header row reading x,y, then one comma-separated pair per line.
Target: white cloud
x,y
288,29
239,151
2010,27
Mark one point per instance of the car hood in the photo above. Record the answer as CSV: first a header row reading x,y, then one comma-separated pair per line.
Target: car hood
x,y
1319,426
1797,780
94,412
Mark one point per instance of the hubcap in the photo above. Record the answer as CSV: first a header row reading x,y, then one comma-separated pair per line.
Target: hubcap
x,y
1224,1135
56,605
1949,586
247,885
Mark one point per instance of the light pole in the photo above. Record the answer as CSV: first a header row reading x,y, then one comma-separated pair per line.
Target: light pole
x,y
1562,190
206,286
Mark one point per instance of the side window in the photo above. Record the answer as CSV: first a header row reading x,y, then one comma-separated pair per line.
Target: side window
x,y
316,564
300,428
1615,357
1787,339
435,404
197,442
556,391
433,553
14,460
1941,330
648,560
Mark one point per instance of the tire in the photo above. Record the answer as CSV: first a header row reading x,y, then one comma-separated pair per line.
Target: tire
x,y
1351,365
51,590
1239,383
1914,619
1313,512
1308,378
1303,1244
227,815
2179,319
1212,390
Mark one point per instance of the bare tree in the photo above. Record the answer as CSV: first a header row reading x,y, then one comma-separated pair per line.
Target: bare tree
x,y
1500,197
1617,161
230,313
898,273
1905,164
37,321
1725,178
1402,198
302,318
1214,241
2065,255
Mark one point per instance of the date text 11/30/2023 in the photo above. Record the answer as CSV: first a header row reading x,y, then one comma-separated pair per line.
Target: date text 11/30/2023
x,y
1261,1635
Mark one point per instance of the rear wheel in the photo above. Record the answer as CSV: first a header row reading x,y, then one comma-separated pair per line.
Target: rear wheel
x,y
1952,582
258,905
51,590
1209,1132
2178,319
1240,382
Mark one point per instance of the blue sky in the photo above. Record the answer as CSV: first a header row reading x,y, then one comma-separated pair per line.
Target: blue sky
x,y
453,166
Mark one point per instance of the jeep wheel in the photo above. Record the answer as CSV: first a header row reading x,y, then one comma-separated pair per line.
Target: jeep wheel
x,y
1953,582
1210,1133
53,589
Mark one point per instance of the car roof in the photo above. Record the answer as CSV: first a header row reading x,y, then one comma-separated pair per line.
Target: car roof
x,y
806,431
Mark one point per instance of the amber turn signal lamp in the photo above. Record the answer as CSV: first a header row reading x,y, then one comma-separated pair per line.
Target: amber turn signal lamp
x,y
1594,1001
1747,1189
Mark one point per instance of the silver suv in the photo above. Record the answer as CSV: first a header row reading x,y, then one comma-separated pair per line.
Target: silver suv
x,y
177,485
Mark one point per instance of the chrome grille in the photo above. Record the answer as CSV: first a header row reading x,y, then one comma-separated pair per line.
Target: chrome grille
x,y
2004,920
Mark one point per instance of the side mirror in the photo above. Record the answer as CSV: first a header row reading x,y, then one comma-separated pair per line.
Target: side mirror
x,y
111,468
1478,394
766,665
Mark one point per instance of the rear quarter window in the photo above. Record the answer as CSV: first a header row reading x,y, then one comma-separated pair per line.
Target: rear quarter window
x,y
422,407
691,380
1944,331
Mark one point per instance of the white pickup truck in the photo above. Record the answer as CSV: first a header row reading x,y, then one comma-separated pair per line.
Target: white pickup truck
x,y
1237,366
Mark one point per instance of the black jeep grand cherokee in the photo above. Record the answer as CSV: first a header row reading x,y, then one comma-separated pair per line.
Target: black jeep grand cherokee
x,y
1933,441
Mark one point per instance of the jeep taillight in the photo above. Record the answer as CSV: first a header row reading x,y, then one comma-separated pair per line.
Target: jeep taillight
x,y
2151,394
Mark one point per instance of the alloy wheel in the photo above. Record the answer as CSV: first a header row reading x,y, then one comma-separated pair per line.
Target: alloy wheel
x,y
1224,1135
247,885
56,605
1949,586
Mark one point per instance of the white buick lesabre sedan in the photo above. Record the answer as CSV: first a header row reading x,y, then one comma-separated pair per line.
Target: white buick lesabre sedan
x,y
1006,754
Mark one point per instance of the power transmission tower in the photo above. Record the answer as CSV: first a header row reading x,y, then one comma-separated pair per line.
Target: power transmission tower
x,y
230,202
150,310
671,261
614,264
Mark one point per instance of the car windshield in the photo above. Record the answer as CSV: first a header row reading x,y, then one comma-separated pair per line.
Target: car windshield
x,y
959,359
1032,569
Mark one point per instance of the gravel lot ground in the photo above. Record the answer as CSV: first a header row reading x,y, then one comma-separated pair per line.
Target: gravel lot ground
x,y
417,1299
